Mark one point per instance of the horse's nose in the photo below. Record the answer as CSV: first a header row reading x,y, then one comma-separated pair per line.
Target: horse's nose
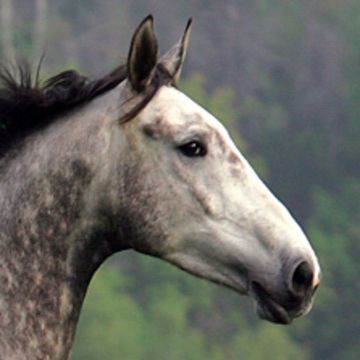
x,y
304,280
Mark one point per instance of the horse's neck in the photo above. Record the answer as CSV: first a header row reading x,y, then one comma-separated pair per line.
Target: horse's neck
x,y
48,222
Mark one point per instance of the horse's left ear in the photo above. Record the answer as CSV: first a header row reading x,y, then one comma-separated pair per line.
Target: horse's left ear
x,y
173,60
143,55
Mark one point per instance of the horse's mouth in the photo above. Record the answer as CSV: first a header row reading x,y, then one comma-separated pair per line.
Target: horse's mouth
x,y
267,308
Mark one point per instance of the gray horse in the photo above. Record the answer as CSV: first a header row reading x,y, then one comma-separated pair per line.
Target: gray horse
x,y
90,168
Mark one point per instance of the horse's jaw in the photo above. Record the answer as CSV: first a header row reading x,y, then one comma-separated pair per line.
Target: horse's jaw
x,y
243,264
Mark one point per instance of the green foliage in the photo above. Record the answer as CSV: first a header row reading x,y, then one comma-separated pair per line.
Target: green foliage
x,y
259,343
111,324
335,230
350,153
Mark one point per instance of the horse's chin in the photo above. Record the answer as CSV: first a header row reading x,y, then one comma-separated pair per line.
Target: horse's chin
x,y
269,309
272,312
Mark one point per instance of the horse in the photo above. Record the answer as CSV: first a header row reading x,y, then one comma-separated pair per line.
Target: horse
x,y
127,161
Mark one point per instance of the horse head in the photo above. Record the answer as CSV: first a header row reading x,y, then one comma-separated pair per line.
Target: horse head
x,y
186,194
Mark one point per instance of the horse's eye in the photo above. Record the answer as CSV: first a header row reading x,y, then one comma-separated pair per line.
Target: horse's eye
x,y
193,148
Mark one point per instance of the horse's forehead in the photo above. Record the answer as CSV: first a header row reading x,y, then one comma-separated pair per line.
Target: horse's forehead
x,y
173,110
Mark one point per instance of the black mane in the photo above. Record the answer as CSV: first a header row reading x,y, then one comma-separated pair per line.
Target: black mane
x,y
27,104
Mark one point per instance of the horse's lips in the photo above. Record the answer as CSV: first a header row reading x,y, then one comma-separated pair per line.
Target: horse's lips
x,y
267,308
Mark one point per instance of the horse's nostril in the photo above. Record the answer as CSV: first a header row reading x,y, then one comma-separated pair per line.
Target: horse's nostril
x,y
302,278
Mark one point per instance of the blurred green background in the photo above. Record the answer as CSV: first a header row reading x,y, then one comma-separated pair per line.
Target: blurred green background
x,y
284,76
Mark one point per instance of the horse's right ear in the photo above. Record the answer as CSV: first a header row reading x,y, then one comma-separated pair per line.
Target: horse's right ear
x,y
143,55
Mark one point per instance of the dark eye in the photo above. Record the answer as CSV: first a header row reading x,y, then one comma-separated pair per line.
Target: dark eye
x,y
193,148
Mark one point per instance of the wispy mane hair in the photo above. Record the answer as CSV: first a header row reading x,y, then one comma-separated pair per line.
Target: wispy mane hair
x,y
27,104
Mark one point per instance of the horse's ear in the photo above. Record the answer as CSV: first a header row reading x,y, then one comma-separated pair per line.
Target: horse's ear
x,y
143,55
173,60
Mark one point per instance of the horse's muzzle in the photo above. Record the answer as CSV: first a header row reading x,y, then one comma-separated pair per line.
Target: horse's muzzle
x,y
295,300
